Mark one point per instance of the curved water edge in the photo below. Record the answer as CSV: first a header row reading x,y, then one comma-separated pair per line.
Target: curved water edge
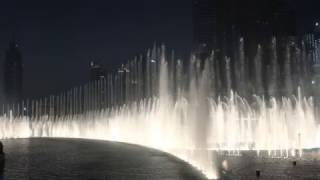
x,y
56,158
183,159
23,128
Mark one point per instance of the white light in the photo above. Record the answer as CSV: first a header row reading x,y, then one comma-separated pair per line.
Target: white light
x,y
152,60
126,70
317,24
313,82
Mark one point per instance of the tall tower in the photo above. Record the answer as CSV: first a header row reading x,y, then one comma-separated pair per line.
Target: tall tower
x,y
217,24
97,72
13,74
234,29
204,26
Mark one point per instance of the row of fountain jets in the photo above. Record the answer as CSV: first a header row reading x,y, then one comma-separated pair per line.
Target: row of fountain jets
x,y
188,109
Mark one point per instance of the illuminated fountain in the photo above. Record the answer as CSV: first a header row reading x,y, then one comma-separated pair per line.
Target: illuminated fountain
x,y
156,101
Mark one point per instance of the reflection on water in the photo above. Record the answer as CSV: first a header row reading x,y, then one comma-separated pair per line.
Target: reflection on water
x,y
71,159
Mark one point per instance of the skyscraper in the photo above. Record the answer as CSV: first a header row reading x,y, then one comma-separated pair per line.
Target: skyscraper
x,y
97,72
234,29
218,24
13,74
204,28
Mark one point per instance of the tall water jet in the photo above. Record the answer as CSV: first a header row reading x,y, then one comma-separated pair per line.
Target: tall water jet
x,y
242,72
228,74
258,71
273,69
287,71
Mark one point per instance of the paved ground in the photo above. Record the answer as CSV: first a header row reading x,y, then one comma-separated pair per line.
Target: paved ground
x,y
244,167
70,159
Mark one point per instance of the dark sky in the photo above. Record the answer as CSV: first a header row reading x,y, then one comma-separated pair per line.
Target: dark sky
x,y
308,12
58,38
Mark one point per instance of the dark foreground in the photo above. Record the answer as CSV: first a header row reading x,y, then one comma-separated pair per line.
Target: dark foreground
x,y
77,159
71,159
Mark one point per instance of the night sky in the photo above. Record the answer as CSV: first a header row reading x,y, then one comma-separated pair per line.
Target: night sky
x,y
308,12
58,39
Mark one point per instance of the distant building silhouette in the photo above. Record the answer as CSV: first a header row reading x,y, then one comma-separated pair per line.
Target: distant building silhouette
x,y
234,29
219,24
13,74
312,41
97,71
205,26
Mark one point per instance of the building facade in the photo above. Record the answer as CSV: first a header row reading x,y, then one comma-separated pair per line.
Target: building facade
x,y
218,25
239,33
97,71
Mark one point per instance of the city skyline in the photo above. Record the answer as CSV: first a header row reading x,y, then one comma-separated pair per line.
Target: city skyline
x,y
55,37
69,44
